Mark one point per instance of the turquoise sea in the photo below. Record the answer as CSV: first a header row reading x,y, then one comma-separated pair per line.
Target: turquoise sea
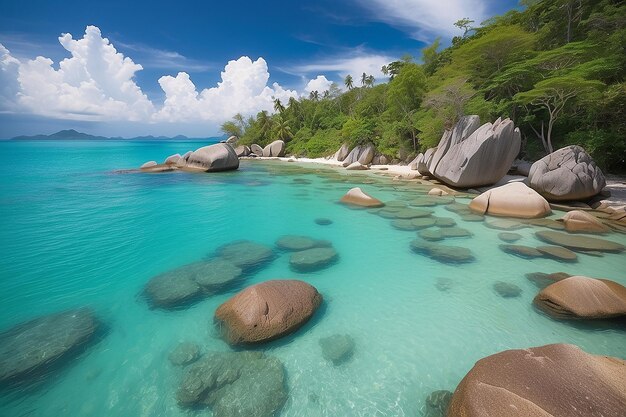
x,y
75,233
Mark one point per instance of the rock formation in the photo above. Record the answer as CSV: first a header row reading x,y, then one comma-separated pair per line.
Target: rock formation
x,y
511,200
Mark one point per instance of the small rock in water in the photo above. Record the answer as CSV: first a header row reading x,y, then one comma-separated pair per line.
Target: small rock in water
x,y
437,403
184,354
323,221
444,284
558,252
507,290
445,222
509,237
442,253
337,348
522,251
542,280
246,255
298,243
313,259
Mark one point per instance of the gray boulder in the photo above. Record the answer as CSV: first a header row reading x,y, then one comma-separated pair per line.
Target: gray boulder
x,y
213,158
415,162
462,130
30,348
424,163
256,149
276,148
380,160
235,384
232,140
567,174
342,152
362,154
481,159
242,150
172,159
148,165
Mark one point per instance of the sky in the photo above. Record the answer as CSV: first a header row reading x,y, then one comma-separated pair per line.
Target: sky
x,y
130,68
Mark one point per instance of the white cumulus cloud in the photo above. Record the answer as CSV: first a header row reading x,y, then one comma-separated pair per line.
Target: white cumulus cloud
x,y
319,84
426,19
9,87
354,65
95,83
243,89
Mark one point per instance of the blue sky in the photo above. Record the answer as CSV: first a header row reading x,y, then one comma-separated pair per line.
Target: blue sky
x,y
152,67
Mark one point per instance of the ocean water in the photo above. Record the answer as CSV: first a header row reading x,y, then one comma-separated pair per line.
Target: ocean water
x,y
75,233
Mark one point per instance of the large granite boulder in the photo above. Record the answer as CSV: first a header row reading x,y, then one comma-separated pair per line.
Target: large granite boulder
x,y
232,140
581,297
511,200
256,149
415,162
342,152
235,384
274,149
548,381
213,158
481,159
267,311
424,163
357,197
566,174
242,150
28,349
461,131
578,221
362,154
172,159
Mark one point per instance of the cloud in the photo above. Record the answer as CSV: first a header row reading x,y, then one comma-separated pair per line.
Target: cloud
x,y
163,59
9,86
353,65
243,89
95,83
425,19
319,84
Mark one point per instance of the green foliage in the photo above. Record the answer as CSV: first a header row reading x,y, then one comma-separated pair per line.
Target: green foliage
x,y
557,68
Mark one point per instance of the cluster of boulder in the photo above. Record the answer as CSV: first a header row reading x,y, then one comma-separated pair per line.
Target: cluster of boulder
x,y
212,158
274,149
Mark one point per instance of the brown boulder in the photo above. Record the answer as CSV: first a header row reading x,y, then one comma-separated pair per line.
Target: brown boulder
x,y
578,221
549,381
357,197
512,200
581,297
267,311
579,243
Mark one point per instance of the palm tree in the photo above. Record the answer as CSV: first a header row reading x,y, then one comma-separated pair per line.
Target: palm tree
x,y
282,130
314,95
385,70
369,82
265,122
348,82
363,79
278,106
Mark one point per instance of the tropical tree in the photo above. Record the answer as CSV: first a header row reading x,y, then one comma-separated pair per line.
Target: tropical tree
x,y
348,82
369,81
278,106
282,130
363,79
465,25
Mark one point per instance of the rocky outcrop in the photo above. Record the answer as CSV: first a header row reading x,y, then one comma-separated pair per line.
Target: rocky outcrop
x,y
357,197
342,152
581,297
235,384
267,311
214,158
274,149
30,348
242,150
511,200
362,154
256,149
554,380
567,174
481,159
148,165
578,221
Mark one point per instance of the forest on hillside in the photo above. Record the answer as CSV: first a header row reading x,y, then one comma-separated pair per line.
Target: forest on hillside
x,y
556,67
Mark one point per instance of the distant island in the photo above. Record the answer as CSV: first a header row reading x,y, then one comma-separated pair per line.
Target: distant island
x,y
71,134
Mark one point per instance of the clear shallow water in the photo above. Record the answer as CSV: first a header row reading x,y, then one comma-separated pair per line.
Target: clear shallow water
x,y
74,233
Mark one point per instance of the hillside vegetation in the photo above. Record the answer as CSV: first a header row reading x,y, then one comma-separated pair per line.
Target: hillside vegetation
x,y
556,68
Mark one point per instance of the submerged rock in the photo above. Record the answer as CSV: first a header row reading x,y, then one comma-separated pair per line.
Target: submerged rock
x,y
444,284
581,297
554,380
509,237
337,348
184,354
246,255
434,235
216,275
507,290
358,198
542,280
323,221
574,242
235,384
558,252
567,174
442,253
297,243
267,311
413,224
521,251
173,288
313,259
28,349
437,403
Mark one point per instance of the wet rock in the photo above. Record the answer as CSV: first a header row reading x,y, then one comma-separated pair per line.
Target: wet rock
x,y
410,213
313,259
521,251
442,253
235,384
396,204
215,275
578,221
298,243
323,221
246,255
267,311
437,403
357,197
554,380
338,348
581,297
445,222
472,218
413,224
28,349
549,223
184,354
504,224
437,192
173,288
274,149
512,200
507,290
509,237
542,280
558,252
574,242
566,174
214,158
434,235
